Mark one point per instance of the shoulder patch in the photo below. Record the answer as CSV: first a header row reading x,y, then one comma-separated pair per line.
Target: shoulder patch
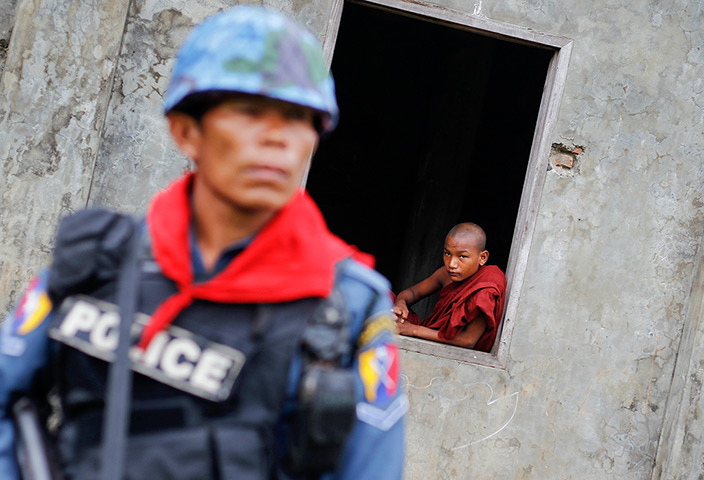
x,y
32,309
380,373
383,404
374,327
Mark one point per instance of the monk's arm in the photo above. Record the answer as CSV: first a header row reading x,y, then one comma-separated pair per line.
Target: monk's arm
x,y
419,291
468,337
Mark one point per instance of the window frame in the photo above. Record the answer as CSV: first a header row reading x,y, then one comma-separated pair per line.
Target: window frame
x,y
537,162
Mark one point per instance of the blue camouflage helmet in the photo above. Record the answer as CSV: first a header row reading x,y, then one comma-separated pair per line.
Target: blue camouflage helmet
x,y
259,51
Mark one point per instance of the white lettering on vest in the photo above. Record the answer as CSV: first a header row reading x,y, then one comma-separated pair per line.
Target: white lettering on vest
x,y
175,356
81,318
211,370
177,349
104,333
153,354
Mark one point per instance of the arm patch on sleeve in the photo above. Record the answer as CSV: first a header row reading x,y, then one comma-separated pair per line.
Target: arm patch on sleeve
x,y
384,404
32,310
383,419
374,327
379,369
380,373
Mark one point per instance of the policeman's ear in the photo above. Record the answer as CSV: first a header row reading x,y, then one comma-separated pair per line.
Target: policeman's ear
x,y
186,133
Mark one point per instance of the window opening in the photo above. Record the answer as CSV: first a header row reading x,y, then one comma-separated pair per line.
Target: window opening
x,y
437,125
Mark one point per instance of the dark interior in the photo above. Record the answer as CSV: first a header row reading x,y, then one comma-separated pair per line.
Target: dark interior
x,y
436,128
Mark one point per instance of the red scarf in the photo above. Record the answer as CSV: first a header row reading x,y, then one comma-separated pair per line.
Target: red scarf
x,y
292,257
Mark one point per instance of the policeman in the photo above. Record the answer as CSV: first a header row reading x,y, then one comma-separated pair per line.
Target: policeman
x,y
260,344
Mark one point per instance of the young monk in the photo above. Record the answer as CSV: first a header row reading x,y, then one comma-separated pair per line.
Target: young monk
x,y
471,298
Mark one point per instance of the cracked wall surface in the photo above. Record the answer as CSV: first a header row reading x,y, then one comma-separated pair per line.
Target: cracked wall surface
x,y
588,389
54,85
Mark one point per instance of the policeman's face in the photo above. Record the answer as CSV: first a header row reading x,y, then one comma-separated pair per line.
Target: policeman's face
x,y
251,152
462,257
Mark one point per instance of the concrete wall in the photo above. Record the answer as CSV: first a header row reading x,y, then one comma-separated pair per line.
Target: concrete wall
x,y
681,443
54,93
606,290
611,282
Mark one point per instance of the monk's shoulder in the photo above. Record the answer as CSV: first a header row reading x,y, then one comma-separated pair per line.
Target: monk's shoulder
x,y
493,274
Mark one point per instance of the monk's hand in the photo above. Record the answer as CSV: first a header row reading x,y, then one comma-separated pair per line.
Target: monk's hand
x,y
405,328
401,311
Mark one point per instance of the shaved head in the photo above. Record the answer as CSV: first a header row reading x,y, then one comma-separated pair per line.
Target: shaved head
x,y
471,232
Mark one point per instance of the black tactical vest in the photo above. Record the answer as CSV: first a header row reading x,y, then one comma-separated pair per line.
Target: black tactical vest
x,y
173,434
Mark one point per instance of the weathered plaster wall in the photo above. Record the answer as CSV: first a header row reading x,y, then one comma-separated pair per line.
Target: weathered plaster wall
x,y
53,97
682,443
605,296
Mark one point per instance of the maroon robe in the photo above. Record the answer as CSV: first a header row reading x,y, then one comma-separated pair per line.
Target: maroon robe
x,y
459,303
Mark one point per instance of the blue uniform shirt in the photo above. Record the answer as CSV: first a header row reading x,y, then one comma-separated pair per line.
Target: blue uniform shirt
x,y
375,447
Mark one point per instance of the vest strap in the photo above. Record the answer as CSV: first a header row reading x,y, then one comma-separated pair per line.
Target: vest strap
x,y
119,389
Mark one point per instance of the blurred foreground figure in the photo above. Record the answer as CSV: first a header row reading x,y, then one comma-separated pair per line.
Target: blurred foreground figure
x,y
256,344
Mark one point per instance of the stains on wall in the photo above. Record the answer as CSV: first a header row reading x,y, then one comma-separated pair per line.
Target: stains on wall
x,y
55,88
135,141
4,42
